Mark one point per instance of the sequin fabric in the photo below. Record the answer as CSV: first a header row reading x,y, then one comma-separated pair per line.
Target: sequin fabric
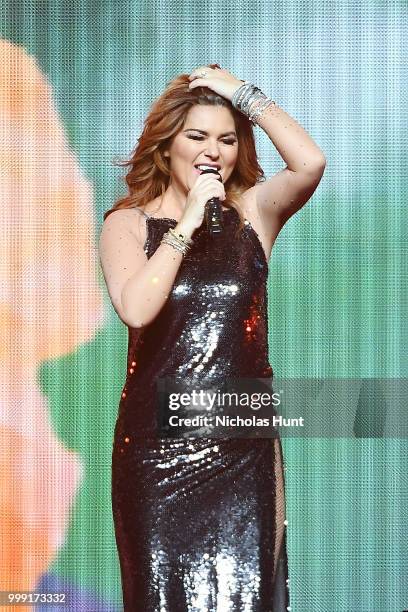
x,y
200,523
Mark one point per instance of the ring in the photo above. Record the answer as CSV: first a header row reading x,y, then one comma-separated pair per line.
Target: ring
x,y
203,73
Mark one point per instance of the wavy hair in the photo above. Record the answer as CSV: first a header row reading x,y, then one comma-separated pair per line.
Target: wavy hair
x,y
149,174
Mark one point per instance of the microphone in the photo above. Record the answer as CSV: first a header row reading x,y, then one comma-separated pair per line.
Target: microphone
x,y
213,210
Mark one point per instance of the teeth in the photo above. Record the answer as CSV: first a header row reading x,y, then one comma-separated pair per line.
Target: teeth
x,y
204,167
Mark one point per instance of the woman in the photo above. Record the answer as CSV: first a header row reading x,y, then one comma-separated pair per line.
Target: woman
x,y
200,523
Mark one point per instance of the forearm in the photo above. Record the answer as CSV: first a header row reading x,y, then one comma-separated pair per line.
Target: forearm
x,y
296,147
146,292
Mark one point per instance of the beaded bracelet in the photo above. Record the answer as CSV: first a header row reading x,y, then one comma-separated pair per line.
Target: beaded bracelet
x,y
181,237
173,239
168,239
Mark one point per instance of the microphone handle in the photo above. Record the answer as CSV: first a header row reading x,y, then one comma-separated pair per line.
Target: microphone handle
x,y
213,216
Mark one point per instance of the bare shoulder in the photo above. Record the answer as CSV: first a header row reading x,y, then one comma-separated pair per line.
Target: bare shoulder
x,y
126,220
121,255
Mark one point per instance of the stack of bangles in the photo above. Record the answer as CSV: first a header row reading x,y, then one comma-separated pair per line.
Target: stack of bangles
x,y
246,99
177,241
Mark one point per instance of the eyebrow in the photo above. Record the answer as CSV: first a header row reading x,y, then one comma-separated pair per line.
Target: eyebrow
x,y
206,133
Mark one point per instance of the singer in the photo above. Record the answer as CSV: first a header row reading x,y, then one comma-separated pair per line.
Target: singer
x,y
200,523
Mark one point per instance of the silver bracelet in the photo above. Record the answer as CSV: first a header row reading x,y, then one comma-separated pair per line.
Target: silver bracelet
x,y
176,242
175,245
181,237
246,99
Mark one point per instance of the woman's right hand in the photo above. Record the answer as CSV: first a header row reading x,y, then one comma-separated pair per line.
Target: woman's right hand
x,y
207,186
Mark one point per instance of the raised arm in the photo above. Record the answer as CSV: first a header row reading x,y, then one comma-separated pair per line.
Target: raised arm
x,y
282,195
138,287
279,197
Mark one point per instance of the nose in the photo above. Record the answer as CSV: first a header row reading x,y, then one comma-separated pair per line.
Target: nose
x,y
212,149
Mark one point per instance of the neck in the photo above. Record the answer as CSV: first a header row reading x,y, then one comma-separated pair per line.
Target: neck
x,y
174,200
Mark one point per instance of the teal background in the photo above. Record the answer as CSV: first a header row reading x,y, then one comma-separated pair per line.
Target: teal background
x,y
338,273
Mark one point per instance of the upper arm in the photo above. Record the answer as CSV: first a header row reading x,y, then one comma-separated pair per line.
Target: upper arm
x,y
121,255
282,195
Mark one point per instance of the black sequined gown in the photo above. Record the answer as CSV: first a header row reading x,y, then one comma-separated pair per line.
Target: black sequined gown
x,y
200,523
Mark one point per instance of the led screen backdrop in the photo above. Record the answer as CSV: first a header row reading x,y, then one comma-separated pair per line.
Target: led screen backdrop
x,y
77,79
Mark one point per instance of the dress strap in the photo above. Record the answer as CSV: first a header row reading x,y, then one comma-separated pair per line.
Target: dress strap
x,y
142,212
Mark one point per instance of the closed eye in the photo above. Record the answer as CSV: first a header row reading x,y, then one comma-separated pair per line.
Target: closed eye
x,y
229,141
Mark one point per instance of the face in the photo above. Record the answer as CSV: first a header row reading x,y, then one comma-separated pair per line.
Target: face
x,y
208,137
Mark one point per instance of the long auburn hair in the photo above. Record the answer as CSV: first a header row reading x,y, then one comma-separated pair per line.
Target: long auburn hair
x,y
149,173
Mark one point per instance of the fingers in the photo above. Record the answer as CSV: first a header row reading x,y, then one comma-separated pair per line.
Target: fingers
x,y
196,73
216,189
210,178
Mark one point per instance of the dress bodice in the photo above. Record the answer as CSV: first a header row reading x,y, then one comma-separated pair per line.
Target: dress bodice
x,y
213,325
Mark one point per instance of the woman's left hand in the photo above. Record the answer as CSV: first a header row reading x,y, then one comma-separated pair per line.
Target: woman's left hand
x,y
219,80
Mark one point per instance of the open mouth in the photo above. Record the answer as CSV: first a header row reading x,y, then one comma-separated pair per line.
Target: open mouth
x,y
200,167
